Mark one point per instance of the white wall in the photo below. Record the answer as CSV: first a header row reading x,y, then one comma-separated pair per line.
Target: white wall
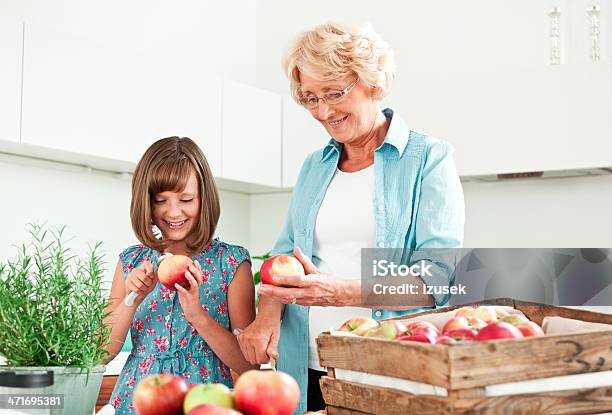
x,y
94,205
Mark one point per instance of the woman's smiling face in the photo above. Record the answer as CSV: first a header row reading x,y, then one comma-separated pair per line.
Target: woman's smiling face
x,y
348,120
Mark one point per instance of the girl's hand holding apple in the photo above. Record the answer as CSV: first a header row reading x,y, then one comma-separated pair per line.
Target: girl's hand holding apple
x,y
189,296
141,281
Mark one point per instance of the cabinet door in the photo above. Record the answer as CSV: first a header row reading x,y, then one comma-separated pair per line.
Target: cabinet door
x,y
590,86
302,135
91,99
479,77
11,46
251,135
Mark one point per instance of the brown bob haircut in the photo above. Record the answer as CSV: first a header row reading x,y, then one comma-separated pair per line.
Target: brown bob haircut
x,y
166,166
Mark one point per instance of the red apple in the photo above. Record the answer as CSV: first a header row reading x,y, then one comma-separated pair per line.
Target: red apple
x,y
160,395
515,319
172,269
462,334
266,392
281,264
499,330
210,409
456,323
530,329
415,327
466,311
445,340
421,338
359,325
212,393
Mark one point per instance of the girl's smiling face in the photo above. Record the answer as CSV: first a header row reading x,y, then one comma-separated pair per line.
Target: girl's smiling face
x,y
177,213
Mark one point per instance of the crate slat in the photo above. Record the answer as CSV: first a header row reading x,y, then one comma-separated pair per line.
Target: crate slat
x,y
365,399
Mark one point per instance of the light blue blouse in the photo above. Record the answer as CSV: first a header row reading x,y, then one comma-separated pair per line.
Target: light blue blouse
x,y
418,204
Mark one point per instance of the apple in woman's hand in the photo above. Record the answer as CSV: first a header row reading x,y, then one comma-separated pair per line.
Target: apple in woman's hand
x,y
281,264
171,269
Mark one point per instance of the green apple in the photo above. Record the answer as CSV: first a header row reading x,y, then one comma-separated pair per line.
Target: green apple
x,y
213,393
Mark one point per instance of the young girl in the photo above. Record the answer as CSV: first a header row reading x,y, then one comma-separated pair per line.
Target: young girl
x,y
185,331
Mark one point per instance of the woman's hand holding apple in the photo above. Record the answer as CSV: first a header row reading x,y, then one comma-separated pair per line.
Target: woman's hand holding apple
x,y
312,289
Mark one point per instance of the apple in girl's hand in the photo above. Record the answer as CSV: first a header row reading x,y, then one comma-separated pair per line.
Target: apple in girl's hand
x,y
266,392
212,393
497,331
210,409
359,325
172,269
281,264
160,395
530,329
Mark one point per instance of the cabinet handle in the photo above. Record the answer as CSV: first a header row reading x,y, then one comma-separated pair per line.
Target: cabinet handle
x,y
593,12
555,36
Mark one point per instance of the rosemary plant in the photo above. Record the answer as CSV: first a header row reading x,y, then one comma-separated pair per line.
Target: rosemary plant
x,y
52,305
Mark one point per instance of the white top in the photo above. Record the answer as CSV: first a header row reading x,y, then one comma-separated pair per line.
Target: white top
x,y
345,224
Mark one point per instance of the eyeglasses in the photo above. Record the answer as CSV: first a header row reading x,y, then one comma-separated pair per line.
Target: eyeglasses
x,y
331,97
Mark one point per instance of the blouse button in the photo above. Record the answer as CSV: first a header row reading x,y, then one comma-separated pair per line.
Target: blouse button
x,y
378,313
381,244
381,208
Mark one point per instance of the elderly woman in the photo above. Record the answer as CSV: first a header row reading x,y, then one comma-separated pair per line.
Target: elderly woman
x,y
377,184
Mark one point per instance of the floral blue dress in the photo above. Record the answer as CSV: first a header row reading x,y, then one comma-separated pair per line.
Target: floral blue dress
x,y
162,338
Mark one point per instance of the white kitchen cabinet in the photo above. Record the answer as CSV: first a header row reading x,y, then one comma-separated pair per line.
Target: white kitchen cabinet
x,y
482,80
11,44
302,135
251,132
90,99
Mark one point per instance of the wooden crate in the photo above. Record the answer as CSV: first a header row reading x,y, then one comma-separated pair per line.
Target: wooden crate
x,y
465,369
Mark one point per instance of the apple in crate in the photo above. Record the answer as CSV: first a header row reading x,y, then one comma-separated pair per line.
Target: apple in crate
x,y
456,323
486,314
359,325
281,264
171,269
466,311
515,319
460,334
530,329
476,323
445,340
212,393
266,392
421,338
415,327
387,330
160,395
210,409
499,330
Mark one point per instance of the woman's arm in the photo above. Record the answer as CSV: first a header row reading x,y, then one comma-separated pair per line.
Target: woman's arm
x,y
241,308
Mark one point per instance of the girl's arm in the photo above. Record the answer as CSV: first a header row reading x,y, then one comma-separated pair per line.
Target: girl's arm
x,y
241,308
140,280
